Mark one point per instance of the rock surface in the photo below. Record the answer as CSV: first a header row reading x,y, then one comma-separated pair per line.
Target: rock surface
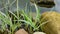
x,y
44,3
21,31
53,24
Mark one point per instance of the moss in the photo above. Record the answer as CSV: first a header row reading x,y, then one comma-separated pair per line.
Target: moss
x,y
53,24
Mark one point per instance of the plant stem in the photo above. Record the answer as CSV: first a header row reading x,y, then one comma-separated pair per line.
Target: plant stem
x,y
17,9
17,12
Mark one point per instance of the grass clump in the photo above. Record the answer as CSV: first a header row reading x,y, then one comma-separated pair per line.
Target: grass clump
x,y
12,21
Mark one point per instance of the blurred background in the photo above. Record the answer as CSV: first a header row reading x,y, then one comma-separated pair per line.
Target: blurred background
x,y
11,5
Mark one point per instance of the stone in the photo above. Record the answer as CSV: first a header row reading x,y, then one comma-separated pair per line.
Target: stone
x,y
38,33
21,31
44,3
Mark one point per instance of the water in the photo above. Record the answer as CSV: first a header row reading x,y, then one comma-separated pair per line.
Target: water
x,y
22,5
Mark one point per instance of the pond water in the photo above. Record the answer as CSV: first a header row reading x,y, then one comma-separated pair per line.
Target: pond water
x,y
23,3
